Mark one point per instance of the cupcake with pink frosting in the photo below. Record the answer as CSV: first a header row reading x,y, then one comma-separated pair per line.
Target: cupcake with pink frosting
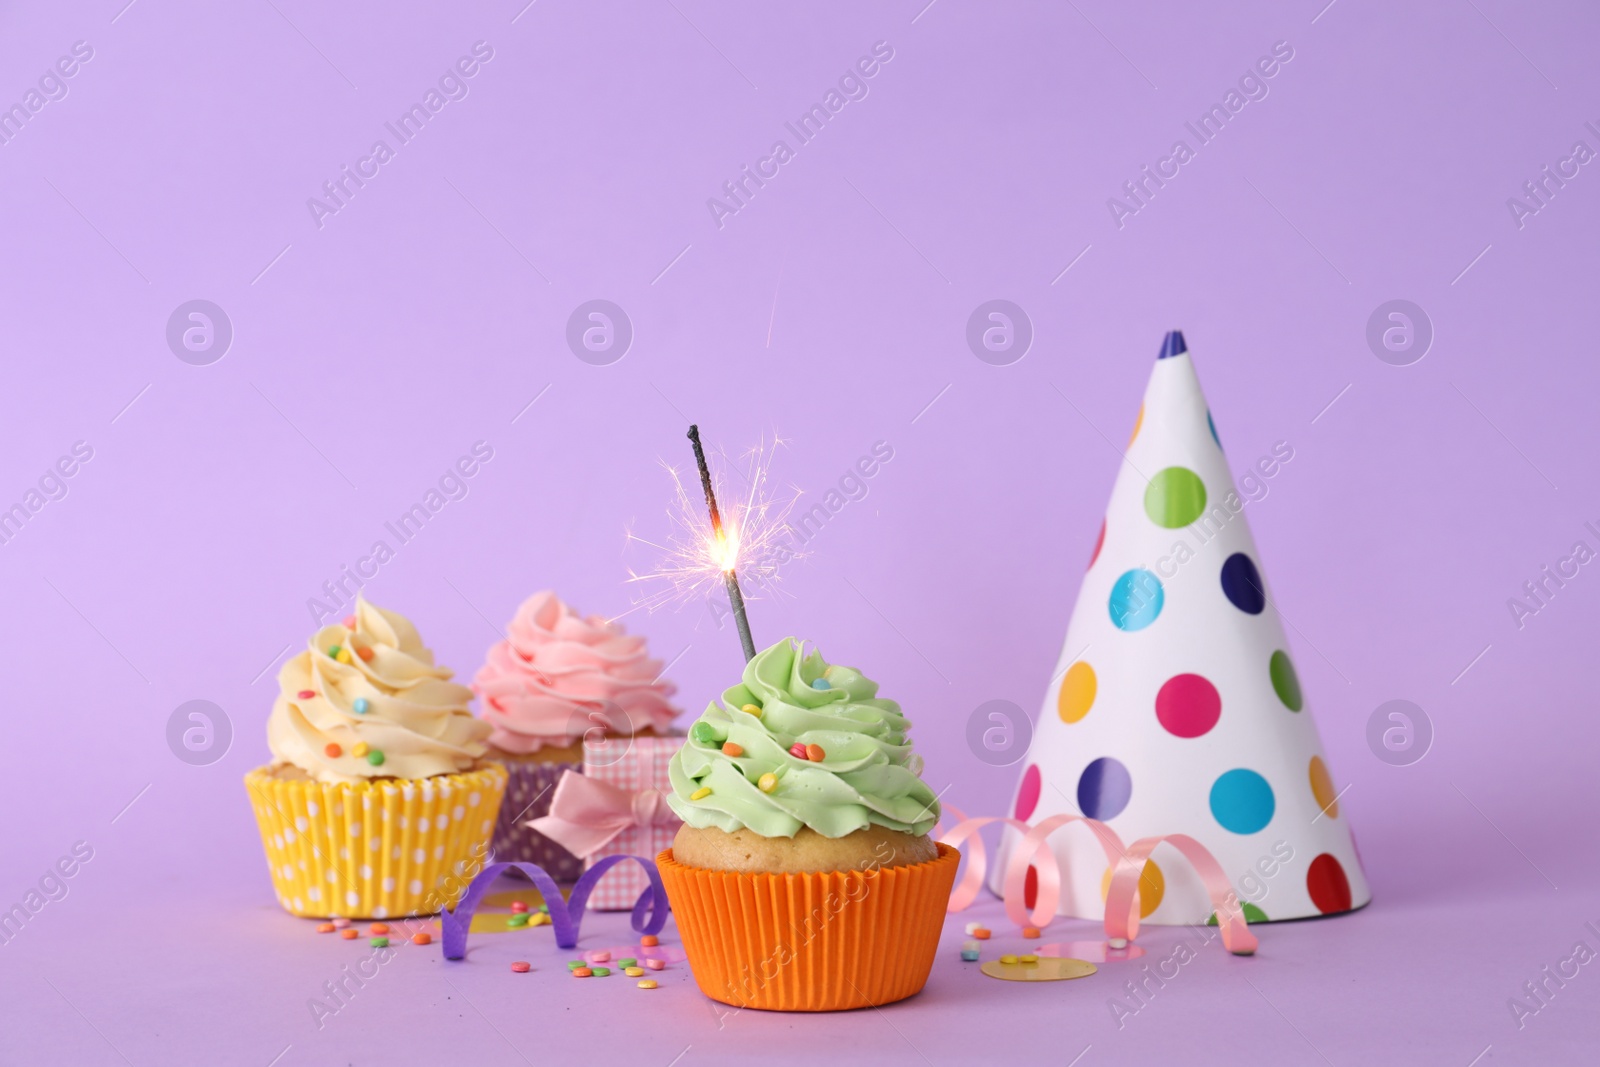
x,y
557,678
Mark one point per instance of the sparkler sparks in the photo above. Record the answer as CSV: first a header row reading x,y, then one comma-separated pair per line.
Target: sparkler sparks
x,y
754,540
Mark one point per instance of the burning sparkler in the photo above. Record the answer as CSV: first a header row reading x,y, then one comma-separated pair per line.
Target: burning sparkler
x,y
711,543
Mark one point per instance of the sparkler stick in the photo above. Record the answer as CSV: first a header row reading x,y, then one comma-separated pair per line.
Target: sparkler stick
x,y
730,575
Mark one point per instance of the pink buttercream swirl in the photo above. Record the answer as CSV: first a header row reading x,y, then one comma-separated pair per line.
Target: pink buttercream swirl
x,y
558,675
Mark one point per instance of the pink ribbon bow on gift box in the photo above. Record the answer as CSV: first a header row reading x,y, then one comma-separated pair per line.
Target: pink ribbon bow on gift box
x,y
586,813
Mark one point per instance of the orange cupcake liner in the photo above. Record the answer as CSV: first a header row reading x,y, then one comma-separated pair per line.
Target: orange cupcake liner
x,y
826,941
375,850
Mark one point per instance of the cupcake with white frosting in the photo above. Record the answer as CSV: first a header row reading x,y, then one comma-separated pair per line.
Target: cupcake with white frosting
x,y
379,800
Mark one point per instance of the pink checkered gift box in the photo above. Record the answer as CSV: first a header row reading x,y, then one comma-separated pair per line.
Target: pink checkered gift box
x,y
642,765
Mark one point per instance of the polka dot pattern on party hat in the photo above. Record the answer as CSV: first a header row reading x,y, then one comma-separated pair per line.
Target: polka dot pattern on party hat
x,y
1242,801
1328,885
1104,788
1322,788
1028,792
1136,599
1241,583
1152,888
1187,705
1078,690
1175,497
1285,682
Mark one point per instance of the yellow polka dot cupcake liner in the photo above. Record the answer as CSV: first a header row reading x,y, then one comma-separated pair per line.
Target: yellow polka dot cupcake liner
x,y
375,850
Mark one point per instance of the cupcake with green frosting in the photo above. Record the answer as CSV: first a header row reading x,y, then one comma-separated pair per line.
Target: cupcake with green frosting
x,y
805,840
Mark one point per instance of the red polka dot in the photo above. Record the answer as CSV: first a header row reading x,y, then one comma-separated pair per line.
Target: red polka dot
x,y
1099,543
1188,705
1028,793
1030,887
1329,888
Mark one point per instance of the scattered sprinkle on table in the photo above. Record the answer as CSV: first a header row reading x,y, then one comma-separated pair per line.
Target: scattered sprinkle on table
x,y
422,937
970,955
340,924
517,921
378,928
649,941
378,942
325,928
627,961
1030,958
981,933
1118,942
633,972
521,966
1008,958
1030,931
581,972
349,934
648,983
517,907
539,918
600,972
655,964
600,957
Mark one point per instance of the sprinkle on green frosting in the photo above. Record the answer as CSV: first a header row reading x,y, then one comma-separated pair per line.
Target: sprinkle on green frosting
x,y
869,776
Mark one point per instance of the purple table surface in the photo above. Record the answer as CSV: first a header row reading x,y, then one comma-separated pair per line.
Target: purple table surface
x,y
361,341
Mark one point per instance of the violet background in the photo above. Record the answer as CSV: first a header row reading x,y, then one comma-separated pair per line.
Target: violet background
x,y
430,311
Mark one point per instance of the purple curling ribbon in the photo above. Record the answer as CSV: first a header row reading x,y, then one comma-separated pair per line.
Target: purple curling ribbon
x,y
649,912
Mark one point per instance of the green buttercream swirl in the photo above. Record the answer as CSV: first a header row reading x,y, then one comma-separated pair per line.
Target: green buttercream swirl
x,y
868,775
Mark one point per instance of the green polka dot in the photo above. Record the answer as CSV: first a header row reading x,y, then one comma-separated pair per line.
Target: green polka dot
x,y
1175,497
1285,682
1252,914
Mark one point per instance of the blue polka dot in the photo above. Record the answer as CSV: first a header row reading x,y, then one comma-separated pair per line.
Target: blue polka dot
x,y
1241,801
1242,583
1212,423
1104,789
1136,599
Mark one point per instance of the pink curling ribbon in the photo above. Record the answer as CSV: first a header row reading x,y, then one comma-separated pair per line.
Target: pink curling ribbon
x,y
586,813
1122,900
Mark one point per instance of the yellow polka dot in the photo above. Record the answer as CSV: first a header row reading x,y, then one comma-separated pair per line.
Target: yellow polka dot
x,y
1138,422
1077,692
1152,887
1322,788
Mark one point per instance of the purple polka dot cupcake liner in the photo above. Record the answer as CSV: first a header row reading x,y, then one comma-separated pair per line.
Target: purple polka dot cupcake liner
x,y
528,796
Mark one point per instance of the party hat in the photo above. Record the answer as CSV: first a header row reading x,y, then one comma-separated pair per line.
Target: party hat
x,y
1175,707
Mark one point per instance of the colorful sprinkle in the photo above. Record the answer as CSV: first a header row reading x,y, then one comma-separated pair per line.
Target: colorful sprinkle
x,y
970,955
332,751
349,934
701,793
1118,942
344,656
333,651
970,927
581,972
325,928
633,972
600,957
422,937
627,961
378,942
360,749
349,622
517,922
649,941
821,683
306,694
705,734
601,972
655,964
798,750
1030,958
648,983
573,965
1030,931
751,709
378,928
360,706
364,653
539,918
375,758
767,783
521,966
731,749
981,933
545,908
815,754
1008,958
340,924
518,907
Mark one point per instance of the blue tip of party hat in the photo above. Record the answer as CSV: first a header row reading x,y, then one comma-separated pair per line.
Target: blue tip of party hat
x,y
1173,345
